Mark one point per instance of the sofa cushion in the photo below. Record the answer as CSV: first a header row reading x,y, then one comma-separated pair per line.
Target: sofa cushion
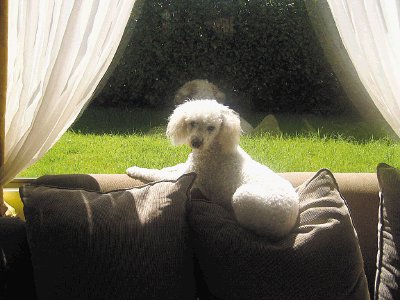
x,y
387,279
361,191
124,244
320,259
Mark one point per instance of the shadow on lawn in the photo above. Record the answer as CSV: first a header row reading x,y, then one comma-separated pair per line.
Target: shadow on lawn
x,y
352,128
344,127
96,120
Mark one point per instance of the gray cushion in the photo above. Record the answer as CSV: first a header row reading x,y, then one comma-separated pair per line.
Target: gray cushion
x,y
388,263
320,259
124,244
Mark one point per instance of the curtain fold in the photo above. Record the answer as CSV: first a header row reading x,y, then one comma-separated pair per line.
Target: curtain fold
x,y
370,31
58,52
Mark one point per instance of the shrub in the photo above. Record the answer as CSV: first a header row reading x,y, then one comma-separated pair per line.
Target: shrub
x,y
263,54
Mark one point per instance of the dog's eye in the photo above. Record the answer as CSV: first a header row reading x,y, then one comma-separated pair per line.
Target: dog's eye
x,y
192,124
210,128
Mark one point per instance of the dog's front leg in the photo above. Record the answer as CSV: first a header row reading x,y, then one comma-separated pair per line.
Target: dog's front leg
x,y
169,173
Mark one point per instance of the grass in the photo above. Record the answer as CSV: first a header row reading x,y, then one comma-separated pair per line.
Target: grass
x,y
110,140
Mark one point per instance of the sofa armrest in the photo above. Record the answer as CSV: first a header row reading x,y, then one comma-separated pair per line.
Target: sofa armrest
x,y
16,271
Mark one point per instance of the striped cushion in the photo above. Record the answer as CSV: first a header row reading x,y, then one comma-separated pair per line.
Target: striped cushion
x,y
320,259
124,244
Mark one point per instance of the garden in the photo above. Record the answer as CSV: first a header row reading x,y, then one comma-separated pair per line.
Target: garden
x,y
264,68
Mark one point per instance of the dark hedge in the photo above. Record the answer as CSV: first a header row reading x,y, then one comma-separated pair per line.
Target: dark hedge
x,y
263,54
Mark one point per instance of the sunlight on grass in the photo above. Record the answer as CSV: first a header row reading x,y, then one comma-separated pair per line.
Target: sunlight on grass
x,y
106,153
109,141
78,153
311,153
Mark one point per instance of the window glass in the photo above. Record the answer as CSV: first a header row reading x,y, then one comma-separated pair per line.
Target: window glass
x,y
262,58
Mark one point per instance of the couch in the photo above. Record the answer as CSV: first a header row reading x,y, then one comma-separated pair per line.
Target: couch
x,y
109,236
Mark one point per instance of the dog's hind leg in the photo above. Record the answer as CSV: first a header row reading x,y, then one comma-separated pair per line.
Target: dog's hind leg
x,y
271,212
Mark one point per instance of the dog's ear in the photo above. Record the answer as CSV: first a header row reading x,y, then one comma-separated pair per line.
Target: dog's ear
x,y
176,129
229,135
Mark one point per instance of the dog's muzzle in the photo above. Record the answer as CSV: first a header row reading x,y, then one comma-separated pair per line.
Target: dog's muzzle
x,y
196,143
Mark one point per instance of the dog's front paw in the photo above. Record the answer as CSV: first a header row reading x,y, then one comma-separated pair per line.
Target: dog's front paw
x,y
145,174
134,171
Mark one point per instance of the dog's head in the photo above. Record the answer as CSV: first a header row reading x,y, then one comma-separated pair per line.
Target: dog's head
x,y
200,123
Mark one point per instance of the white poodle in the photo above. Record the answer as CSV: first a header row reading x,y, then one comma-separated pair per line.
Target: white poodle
x,y
261,200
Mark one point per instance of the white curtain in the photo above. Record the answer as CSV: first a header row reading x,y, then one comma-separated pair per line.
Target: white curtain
x,y
58,52
370,31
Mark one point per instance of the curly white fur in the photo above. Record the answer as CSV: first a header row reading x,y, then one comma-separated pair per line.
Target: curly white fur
x,y
261,200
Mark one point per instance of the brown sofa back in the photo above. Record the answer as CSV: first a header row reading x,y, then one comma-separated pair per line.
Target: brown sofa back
x,y
360,190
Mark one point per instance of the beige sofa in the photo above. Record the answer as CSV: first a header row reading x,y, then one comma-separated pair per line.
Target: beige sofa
x,y
360,190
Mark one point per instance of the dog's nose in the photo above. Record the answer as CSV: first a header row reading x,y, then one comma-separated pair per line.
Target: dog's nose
x,y
196,143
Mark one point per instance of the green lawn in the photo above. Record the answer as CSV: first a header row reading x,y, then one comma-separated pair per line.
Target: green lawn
x,y
110,140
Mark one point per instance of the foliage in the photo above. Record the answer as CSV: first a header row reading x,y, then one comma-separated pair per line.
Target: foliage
x,y
263,54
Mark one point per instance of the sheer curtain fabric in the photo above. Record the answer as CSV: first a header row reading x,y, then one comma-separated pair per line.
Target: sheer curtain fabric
x,y
58,52
370,31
